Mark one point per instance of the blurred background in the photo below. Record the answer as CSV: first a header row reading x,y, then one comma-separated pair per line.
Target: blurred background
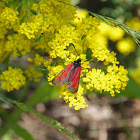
x,y
106,117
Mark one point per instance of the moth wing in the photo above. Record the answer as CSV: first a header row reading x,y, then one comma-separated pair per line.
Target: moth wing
x,y
62,77
73,81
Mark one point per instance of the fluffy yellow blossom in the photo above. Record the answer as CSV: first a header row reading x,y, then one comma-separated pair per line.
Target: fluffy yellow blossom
x,y
33,74
134,23
114,80
12,78
9,18
126,46
17,44
112,33
76,100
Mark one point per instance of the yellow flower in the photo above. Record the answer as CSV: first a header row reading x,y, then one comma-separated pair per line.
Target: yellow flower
x,y
134,23
115,79
112,33
34,28
12,78
48,17
88,26
18,45
65,36
9,18
126,46
101,52
33,74
76,100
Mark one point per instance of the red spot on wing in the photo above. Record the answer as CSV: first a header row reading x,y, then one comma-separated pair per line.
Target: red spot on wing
x,y
75,78
64,72
73,81
63,76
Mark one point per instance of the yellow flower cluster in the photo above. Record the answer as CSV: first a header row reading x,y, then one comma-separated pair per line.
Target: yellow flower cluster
x,y
12,78
49,13
9,18
39,60
52,29
34,28
33,74
65,36
76,100
52,9
114,80
86,26
103,54
18,45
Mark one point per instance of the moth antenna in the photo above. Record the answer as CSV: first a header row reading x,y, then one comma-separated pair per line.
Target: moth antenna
x,y
75,49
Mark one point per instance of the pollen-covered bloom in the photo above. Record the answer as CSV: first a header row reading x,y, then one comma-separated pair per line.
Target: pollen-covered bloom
x,y
12,78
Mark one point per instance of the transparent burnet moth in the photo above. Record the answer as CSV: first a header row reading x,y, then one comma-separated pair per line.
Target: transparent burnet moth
x,y
70,75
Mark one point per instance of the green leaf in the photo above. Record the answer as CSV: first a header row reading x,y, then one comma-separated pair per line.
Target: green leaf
x,y
9,3
16,127
6,60
23,19
83,37
43,93
34,12
38,39
47,120
132,90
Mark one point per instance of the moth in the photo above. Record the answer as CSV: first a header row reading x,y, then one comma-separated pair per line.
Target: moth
x,y
70,75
